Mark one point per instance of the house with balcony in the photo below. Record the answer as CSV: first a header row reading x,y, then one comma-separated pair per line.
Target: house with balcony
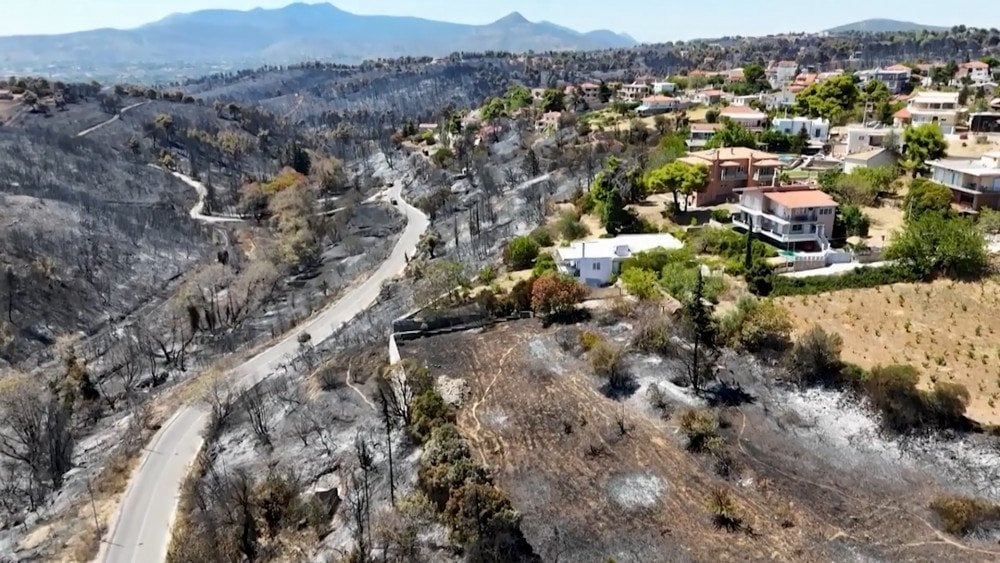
x,y
860,139
792,217
701,133
974,183
782,73
975,72
595,262
664,87
940,108
818,129
732,170
896,77
634,92
746,116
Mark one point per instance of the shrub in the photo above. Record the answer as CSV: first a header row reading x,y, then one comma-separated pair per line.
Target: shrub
x,y
905,408
654,336
962,515
725,513
641,283
520,253
488,274
589,339
701,430
856,279
723,216
429,411
932,244
607,361
815,358
658,401
519,298
569,226
679,281
756,326
554,294
543,264
542,236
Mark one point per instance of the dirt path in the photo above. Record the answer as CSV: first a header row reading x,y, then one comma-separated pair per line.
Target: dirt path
x,y
116,117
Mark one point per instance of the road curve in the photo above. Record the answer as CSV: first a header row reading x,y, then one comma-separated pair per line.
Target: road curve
x,y
141,531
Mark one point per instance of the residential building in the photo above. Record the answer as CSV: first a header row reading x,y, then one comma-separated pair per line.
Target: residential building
x,y
798,217
746,116
595,262
974,183
654,105
860,139
701,133
634,92
940,108
708,97
548,120
664,87
746,100
732,170
984,122
803,81
818,129
873,158
735,75
782,73
779,99
590,93
895,77
977,72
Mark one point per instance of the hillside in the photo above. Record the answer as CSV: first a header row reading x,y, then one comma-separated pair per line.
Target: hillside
x,y
199,42
882,26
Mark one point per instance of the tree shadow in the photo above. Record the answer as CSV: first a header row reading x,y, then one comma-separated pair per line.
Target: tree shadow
x,y
622,390
576,316
726,394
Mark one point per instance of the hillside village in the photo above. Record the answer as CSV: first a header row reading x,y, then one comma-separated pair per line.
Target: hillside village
x,y
463,309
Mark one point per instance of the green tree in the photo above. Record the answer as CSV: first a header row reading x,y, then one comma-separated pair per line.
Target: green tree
x,y
553,100
494,108
732,134
517,97
617,218
925,196
678,178
932,244
699,321
521,253
832,99
815,358
754,74
922,143
604,93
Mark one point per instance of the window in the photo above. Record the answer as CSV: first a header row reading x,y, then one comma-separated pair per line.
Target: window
x,y
596,267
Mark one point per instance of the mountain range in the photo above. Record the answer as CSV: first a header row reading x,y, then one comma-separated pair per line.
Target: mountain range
x,y
882,26
295,33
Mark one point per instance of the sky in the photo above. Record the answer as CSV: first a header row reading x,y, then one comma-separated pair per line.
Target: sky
x,y
646,20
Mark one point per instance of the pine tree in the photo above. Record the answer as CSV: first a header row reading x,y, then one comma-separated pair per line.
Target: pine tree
x,y
698,317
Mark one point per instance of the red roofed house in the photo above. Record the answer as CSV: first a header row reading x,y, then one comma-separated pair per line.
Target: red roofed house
x,y
795,217
708,97
803,81
976,71
732,170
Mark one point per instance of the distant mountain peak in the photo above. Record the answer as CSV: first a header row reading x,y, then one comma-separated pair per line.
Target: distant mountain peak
x,y
513,18
881,25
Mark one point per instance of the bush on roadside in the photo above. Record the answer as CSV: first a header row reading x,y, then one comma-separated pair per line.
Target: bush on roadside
x,y
861,278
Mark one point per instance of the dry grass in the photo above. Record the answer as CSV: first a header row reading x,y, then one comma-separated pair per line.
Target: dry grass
x,y
885,222
947,330
971,148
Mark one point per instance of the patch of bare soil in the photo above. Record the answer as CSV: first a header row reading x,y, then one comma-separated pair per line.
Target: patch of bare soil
x,y
596,478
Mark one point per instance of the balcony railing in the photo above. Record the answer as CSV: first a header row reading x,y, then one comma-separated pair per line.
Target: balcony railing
x,y
733,177
803,218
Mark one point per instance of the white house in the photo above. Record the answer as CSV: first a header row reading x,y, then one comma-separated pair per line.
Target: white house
x,y
595,262
859,139
746,116
701,133
664,87
895,77
782,73
976,71
654,105
940,108
818,129
779,99
873,158
974,183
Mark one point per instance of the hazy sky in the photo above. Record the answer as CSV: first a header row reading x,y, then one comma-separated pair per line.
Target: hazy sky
x,y
646,20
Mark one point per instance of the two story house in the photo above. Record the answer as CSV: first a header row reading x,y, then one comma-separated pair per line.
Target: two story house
x,y
940,108
794,217
701,133
634,92
746,116
818,129
974,183
895,77
732,170
595,262
654,105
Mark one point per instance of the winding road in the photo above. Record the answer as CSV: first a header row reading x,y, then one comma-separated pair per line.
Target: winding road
x,y
116,117
141,531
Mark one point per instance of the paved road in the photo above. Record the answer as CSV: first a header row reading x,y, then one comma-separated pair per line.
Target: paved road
x,y
116,117
141,533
